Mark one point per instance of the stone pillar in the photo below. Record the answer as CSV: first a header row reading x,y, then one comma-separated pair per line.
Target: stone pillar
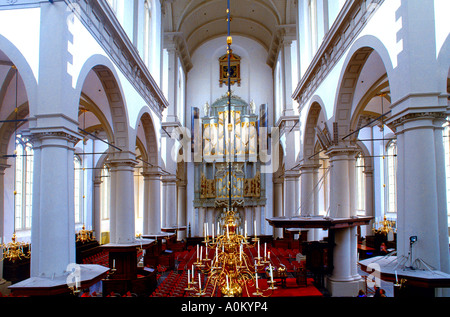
x,y
152,203
309,184
278,205
369,201
201,220
53,246
291,193
122,218
344,280
96,212
421,196
181,207
172,52
3,167
169,204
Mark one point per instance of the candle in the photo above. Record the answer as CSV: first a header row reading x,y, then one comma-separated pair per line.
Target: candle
x,y
265,250
189,276
197,252
114,263
201,251
199,283
258,250
254,224
271,273
256,275
396,279
212,231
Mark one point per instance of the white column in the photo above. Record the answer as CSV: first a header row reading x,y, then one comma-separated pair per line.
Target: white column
x,y
152,202
122,218
53,223
172,98
421,205
278,205
169,201
2,213
344,280
201,220
97,208
369,201
291,193
309,193
182,216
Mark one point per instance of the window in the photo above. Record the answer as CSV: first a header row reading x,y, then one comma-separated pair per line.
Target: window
x,y
147,31
105,193
23,183
391,175
312,6
78,189
360,184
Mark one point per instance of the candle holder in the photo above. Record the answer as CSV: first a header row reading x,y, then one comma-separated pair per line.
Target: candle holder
x,y
257,292
271,284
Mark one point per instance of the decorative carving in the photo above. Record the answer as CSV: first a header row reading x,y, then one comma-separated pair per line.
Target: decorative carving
x,y
420,115
207,187
235,69
252,186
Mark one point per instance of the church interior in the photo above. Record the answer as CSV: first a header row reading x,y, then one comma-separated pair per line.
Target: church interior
x,y
225,148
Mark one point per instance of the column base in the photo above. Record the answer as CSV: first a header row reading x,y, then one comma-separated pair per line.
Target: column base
x,y
344,288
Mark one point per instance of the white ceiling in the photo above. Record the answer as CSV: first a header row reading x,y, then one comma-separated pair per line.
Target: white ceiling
x,y
199,20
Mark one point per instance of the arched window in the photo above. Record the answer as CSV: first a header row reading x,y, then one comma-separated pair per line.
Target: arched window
x,y
78,189
391,175
23,183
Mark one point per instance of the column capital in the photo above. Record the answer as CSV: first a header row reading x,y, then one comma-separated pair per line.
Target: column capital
x,y
291,174
339,150
419,116
309,167
39,136
169,178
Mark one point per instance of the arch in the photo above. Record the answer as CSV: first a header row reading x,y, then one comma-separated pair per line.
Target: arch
x,y
25,71
376,89
309,134
151,140
7,129
87,103
105,71
443,61
353,65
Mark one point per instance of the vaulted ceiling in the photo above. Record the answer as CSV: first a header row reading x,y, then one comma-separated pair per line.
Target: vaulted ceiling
x,y
197,21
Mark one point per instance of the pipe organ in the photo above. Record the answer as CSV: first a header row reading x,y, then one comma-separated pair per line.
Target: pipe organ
x,y
237,142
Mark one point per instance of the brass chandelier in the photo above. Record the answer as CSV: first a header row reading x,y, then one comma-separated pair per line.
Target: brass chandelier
x,y
230,270
14,250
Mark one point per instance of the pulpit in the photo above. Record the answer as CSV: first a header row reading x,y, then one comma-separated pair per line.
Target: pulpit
x,y
125,275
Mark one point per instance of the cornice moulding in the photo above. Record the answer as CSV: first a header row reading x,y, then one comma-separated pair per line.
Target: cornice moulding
x,y
103,25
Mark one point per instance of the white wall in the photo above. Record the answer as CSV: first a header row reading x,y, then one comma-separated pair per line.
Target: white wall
x,y
203,78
